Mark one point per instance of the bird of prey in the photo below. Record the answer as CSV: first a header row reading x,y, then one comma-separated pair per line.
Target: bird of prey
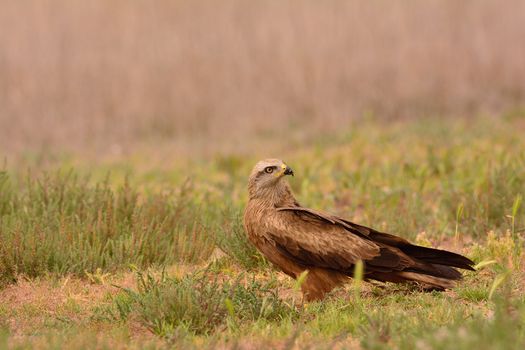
x,y
298,239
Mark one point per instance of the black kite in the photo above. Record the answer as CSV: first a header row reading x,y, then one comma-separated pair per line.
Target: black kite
x,y
296,239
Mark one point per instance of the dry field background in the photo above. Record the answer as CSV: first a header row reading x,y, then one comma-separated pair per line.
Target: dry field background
x,y
128,129
106,76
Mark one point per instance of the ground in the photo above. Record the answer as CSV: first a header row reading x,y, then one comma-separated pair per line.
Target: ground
x,y
147,250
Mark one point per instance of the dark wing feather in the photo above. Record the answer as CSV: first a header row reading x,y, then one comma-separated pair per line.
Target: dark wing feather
x,y
431,255
311,240
441,259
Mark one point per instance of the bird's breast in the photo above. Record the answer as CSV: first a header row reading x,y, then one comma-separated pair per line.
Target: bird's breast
x,y
256,216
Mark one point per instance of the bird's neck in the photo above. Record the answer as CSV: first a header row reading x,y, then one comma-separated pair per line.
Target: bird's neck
x,y
277,196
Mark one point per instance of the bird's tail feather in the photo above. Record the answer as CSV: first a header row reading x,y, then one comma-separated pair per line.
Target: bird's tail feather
x,y
434,268
437,257
424,254
428,281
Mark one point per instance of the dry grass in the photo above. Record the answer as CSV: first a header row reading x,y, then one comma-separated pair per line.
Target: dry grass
x,y
37,311
203,74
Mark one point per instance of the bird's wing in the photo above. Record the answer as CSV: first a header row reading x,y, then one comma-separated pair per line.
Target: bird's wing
x,y
315,239
386,240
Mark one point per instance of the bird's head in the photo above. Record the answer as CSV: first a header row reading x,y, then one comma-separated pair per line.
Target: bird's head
x,y
267,177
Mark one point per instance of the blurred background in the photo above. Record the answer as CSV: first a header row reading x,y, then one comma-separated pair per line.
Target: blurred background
x,y
204,76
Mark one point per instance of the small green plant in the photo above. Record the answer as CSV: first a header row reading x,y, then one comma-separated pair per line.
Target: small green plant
x,y
198,303
515,209
358,279
459,214
97,277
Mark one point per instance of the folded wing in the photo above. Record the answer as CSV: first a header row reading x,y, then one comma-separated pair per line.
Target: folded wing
x,y
312,241
317,239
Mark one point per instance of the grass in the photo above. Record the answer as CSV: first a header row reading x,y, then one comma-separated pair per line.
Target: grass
x,y
231,239
61,224
199,303
96,257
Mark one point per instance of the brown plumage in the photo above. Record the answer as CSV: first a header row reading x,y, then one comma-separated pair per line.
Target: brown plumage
x,y
296,239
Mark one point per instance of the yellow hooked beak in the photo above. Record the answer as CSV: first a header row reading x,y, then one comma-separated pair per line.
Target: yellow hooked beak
x,y
285,170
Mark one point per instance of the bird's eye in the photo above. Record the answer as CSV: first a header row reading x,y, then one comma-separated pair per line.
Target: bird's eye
x,y
268,169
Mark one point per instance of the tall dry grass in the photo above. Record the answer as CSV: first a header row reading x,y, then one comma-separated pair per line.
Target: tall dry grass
x,y
82,74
